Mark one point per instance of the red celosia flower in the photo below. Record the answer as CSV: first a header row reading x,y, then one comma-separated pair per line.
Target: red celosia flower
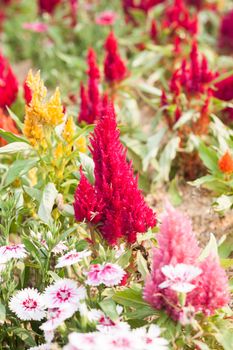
x,y
8,84
90,99
106,18
7,124
193,76
27,93
211,290
124,212
224,91
225,163
87,205
226,32
73,12
114,67
153,31
48,5
144,5
177,16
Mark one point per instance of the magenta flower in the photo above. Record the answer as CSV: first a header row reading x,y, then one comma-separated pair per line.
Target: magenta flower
x,y
48,5
114,201
114,67
106,18
226,32
8,84
210,289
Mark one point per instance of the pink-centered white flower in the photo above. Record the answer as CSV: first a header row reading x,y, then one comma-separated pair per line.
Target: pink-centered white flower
x,y
57,316
179,277
13,251
151,338
45,346
72,258
62,293
108,274
28,305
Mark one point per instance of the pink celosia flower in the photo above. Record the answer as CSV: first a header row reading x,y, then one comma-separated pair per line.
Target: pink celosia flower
x,y
90,99
108,274
226,32
37,27
179,277
8,84
28,305
172,249
14,251
62,293
72,257
114,67
106,18
123,211
57,316
48,5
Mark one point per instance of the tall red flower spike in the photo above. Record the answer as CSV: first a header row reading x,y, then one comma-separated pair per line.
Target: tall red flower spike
x,y
226,32
178,16
7,124
8,84
193,76
211,290
114,67
124,212
48,5
90,99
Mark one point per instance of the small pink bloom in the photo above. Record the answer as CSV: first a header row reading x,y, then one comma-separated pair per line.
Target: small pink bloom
x,y
28,305
72,258
62,293
14,251
56,317
59,248
179,277
106,18
37,27
108,274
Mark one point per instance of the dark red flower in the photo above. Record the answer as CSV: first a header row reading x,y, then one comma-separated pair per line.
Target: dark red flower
x,y
8,84
48,5
226,32
224,91
124,211
90,99
114,67
153,31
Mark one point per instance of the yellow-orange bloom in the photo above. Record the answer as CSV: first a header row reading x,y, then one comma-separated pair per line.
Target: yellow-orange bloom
x,y
225,163
69,130
40,113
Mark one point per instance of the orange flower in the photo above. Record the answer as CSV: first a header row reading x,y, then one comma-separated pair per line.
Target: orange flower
x,y
7,124
225,163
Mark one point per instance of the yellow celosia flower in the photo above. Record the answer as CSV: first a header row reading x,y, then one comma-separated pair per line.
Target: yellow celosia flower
x,y
81,144
41,114
69,130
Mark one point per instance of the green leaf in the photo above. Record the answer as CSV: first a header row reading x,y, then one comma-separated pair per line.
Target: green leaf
x,y
153,145
15,147
209,157
87,166
109,308
33,192
10,137
226,263
223,203
142,265
201,345
2,313
33,250
174,194
124,259
166,158
202,180
24,335
16,119
225,338
210,249
129,297
47,202
19,168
